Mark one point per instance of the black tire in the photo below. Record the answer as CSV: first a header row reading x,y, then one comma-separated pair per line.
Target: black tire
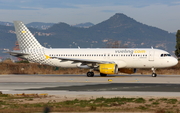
x,y
154,74
103,75
90,74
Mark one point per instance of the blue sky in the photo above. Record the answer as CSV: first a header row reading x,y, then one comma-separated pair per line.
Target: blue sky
x,y
163,14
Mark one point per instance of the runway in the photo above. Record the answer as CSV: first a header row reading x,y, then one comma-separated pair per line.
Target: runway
x,y
82,86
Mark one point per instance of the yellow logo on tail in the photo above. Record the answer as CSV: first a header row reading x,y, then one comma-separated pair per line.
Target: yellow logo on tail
x,y
23,31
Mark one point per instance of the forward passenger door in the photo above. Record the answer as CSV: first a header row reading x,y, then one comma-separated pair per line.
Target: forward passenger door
x,y
151,55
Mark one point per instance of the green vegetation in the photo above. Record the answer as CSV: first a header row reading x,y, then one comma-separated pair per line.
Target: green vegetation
x,y
177,51
20,104
151,99
163,99
23,61
142,107
140,100
155,103
172,101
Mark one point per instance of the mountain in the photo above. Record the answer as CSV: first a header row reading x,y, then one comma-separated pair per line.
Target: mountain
x,y
135,34
40,25
118,28
44,26
174,33
84,25
6,23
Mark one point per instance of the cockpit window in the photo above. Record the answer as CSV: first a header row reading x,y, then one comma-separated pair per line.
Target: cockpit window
x,y
165,55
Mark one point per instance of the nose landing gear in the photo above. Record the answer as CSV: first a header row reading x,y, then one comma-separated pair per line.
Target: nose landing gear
x,y
154,73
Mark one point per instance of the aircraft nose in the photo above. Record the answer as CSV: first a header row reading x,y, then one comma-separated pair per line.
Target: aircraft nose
x,y
174,61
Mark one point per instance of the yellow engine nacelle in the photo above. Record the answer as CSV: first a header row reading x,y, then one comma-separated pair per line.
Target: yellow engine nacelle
x,y
127,70
108,68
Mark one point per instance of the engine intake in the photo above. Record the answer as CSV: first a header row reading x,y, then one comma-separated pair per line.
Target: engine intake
x,y
108,68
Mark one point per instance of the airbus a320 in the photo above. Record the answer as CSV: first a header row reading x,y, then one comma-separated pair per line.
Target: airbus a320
x,y
105,60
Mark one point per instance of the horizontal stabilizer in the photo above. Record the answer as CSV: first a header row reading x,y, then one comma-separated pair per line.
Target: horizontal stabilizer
x,y
16,53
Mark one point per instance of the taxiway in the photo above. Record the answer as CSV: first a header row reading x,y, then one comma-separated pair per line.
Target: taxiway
x,y
80,85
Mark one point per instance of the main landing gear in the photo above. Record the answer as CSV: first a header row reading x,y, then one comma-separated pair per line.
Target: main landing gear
x,y
90,74
154,73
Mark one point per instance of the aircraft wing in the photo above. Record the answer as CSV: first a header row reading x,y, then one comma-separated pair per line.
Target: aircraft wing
x,y
84,61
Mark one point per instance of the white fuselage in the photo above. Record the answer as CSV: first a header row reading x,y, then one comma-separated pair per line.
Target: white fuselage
x,y
123,57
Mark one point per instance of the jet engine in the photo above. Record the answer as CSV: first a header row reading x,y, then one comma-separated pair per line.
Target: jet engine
x,y
128,70
108,68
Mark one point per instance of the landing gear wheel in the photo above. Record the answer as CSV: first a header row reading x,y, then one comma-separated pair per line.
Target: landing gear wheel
x,y
90,74
154,74
103,75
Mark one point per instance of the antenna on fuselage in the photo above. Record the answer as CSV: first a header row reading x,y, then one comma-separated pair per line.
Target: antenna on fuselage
x,y
152,47
79,47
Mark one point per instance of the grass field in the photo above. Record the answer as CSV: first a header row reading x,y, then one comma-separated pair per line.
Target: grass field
x,y
31,103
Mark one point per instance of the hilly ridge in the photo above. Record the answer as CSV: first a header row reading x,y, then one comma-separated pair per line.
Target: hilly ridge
x,y
118,28
122,27
44,26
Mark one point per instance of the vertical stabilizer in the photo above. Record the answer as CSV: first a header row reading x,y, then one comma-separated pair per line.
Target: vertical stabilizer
x,y
25,38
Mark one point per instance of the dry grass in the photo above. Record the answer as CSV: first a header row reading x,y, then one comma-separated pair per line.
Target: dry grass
x,y
34,68
8,67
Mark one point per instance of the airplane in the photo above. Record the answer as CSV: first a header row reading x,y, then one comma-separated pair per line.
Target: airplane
x,y
104,60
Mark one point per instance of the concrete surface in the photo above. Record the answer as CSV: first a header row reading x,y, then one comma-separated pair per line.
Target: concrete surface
x,y
82,86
